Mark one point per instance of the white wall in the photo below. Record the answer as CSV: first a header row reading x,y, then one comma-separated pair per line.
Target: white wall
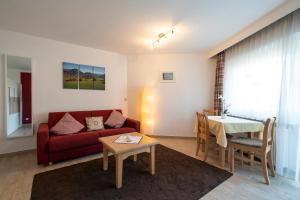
x,y
48,94
175,103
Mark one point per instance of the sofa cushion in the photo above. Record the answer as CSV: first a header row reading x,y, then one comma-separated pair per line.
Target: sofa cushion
x,y
60,143
66,142
115,119
104,113
67,125
80,116
94,123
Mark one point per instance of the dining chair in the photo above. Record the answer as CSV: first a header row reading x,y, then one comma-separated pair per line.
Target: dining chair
x,y
203,134
210,112
262,148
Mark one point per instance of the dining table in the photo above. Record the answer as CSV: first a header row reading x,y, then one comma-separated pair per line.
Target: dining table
x,y
222,126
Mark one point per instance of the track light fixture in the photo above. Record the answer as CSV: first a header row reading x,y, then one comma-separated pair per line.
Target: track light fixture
x,y
162,37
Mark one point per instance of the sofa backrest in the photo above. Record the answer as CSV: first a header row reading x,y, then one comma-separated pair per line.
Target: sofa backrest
x,y
80,116
104,113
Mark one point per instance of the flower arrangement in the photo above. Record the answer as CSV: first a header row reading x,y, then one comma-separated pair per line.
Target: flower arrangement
x,y
225,107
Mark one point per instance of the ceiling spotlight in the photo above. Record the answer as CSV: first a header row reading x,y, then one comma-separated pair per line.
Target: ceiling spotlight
x,y
162,37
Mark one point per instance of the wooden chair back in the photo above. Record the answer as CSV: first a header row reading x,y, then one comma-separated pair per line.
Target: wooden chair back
x,y
268,134
203,128
210,112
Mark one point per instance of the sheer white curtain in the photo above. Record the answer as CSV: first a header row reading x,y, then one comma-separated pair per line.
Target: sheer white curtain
x,y
288,131
252,74
262,79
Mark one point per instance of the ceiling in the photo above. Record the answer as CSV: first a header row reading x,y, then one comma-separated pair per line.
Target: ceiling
x,y
129,26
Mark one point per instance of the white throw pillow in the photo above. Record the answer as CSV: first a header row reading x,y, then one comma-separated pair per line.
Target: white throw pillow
x,y
94,123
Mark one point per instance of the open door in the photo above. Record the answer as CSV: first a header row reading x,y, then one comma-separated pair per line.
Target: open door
x,y
26,97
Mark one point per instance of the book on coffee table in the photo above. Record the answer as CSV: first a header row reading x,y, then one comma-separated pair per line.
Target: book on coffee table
x,y
128,139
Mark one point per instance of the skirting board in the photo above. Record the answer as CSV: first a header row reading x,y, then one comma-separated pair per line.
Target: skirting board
x,y
16,153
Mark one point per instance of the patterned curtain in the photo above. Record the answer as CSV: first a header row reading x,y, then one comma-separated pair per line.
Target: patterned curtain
x,y
219,81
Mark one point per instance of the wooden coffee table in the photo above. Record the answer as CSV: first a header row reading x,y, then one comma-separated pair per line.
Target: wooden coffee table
x,y
122,151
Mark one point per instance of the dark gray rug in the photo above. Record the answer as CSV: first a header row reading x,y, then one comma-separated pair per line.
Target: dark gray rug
x,y
177,177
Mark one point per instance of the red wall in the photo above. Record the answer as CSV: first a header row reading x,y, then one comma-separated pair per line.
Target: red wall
x,y
26,97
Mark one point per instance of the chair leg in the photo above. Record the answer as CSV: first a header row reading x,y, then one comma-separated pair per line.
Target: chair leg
x,y
217,148
205,150
231,155
251,156
198,146
271,163
265,169
242,156
203,145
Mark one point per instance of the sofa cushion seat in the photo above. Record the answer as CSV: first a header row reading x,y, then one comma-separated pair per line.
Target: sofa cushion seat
x,y
60,143
66,142
115,131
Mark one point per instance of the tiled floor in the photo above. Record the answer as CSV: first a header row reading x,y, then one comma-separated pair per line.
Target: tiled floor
x,y
17,171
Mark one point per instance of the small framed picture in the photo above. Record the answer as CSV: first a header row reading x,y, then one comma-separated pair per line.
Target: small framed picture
x,y
167,77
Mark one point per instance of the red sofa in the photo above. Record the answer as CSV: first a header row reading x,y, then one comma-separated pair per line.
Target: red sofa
x,y
53,148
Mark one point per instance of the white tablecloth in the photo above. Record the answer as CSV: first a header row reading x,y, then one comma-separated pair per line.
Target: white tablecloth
x,y
230,125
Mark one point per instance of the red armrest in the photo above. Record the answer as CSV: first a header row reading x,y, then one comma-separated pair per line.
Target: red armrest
x,y
42,144
133,124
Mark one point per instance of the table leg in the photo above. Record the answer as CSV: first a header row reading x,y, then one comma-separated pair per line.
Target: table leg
x,y
251,154
203,145
119,170
152,160
231,157
105,158
222,156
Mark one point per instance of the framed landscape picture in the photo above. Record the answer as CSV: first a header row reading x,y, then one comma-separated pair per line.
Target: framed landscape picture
x,y
86,80
99,78
79,76
70,75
